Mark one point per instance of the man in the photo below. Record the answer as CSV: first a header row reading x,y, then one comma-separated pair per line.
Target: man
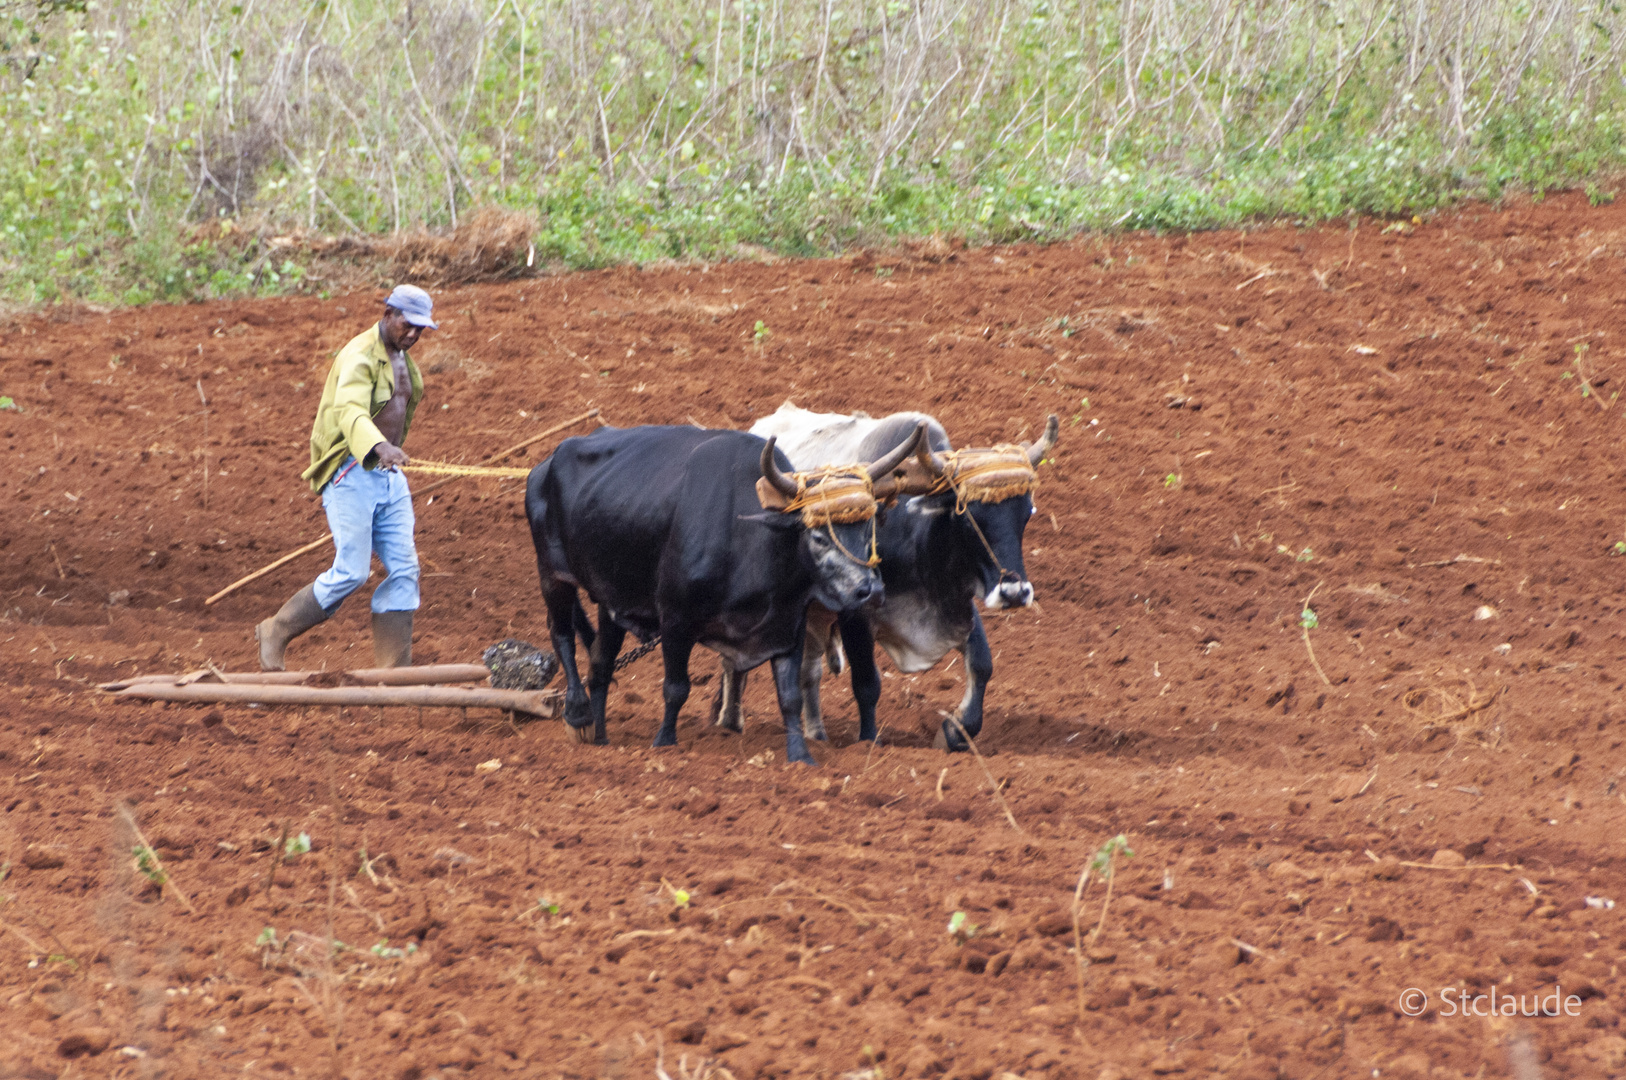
x,y
356,456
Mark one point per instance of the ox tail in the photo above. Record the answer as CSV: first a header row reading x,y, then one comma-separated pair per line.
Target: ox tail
x,y
584,626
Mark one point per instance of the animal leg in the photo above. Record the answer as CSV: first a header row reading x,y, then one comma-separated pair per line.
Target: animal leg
x,y
859,641
676,645
835,661
726,711
602,653
562,607
979,668
584,627
814,648
787,680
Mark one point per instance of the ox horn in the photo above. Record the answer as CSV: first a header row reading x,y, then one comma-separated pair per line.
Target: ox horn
x,y
1037,451
878,469
770,471
935,463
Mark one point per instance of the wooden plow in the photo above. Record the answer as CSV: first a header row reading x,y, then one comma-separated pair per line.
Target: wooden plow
x,y
426,686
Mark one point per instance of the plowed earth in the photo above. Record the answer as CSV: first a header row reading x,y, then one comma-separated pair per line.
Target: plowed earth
x,y
1415,428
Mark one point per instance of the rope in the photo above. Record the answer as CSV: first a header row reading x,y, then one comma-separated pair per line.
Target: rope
x,y
447,468
833,495
874,559
971,474
837,495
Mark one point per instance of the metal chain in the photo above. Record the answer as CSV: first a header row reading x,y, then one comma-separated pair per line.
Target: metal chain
x,y
639,653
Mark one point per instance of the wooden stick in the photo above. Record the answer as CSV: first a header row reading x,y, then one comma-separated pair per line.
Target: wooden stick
x,y
264,570
535,702
423,675
313,545
1465,866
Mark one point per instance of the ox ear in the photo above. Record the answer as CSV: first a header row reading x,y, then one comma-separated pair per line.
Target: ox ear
x,y
930,505
1047,441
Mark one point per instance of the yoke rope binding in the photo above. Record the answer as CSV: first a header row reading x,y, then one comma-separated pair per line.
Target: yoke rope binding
x,y
991,474
837,495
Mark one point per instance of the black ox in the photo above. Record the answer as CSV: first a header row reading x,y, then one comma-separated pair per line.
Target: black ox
x,y
664,528
940,553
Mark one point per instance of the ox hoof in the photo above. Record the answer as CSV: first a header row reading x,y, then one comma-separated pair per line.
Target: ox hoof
x,y
735,728
953,744
805,759
580,735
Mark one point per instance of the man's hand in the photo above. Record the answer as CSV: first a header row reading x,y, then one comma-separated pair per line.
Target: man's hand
x,y
390,456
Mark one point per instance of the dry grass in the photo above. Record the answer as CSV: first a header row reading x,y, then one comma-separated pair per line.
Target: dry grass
x,y
490,244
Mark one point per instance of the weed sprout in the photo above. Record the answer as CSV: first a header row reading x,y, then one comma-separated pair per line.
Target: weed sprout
x,y
146,861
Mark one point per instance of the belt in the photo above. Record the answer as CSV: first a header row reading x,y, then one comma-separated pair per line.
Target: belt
x,y
346,469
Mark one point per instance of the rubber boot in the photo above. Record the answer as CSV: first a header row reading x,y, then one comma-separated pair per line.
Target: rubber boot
x,y
298,615
392,638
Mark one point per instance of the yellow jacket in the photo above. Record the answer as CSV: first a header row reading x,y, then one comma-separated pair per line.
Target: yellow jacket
x,y
359,385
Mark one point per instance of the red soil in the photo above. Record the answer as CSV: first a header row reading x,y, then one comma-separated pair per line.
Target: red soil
x,y
1411,424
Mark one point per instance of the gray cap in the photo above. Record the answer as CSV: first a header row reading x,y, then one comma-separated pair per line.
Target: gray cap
x,y
415,304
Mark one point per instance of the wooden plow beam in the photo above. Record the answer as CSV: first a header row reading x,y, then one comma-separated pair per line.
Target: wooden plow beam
x,y
422,675
532,702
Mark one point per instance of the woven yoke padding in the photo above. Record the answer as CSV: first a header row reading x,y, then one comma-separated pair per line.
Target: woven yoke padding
x,y
837,495
989,474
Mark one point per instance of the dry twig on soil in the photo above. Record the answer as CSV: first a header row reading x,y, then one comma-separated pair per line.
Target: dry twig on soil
x,y
993,785
1104,863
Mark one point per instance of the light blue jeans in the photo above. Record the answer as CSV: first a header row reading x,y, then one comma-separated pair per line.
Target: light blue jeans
x,y
368,512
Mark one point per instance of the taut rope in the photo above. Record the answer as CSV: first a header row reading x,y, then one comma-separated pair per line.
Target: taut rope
x,y
447,468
